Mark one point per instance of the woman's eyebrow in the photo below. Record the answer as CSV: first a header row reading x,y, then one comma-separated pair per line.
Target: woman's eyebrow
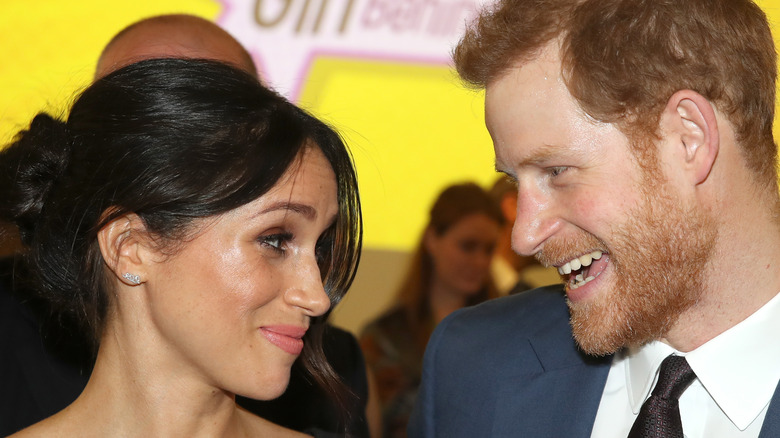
x,y
305,210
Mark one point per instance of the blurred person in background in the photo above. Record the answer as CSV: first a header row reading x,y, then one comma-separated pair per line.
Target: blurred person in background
x,y
173,36
449,270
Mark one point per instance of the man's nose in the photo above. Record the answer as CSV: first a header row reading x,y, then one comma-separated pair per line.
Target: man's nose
x,y
536,221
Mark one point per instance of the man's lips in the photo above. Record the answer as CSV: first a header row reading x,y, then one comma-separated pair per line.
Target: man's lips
x,y
286,337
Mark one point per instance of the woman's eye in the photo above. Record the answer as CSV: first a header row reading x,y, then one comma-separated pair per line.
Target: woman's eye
x,y
276,241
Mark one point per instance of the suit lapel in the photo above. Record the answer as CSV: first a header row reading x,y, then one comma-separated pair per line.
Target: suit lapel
x,y
557,393
547,403
771,426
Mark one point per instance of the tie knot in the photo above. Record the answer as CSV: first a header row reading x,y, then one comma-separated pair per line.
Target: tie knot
x,y
674,377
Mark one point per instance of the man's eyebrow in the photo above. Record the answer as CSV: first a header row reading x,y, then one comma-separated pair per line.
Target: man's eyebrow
x,y
540,156
306,210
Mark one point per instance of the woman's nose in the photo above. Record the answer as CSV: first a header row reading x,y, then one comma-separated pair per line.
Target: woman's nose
x,y
308,292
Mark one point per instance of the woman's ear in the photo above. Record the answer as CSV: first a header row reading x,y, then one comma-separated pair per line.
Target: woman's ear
x,y
125,246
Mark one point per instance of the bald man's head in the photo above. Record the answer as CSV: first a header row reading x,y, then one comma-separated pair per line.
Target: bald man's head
x,y
173,36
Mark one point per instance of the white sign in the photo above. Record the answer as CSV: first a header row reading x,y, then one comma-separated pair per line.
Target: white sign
x,y
286,36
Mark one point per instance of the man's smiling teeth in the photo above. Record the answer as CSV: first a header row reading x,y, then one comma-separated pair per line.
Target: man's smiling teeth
x,y
579,281
579,262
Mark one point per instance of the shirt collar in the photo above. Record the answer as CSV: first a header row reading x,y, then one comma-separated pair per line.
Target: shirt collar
x,y
738,368
642,365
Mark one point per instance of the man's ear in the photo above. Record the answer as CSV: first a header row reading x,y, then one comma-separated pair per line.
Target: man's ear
x,y
124,244
690,123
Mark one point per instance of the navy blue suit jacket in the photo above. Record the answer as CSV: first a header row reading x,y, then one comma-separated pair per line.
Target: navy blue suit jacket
x,y
510,368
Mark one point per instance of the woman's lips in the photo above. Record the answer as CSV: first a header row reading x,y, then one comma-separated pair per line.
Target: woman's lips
x,y
288,338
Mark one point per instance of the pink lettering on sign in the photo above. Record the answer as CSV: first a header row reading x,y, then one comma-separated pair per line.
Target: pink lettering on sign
x,y
425,17
285,36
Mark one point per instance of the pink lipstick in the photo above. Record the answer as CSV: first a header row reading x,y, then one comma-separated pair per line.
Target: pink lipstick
x,y
286,337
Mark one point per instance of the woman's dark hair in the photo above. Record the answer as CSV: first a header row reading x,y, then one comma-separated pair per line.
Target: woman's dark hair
x,y
453,204
172,141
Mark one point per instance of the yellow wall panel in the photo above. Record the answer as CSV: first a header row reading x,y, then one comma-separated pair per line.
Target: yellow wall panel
x,y
412,130
49,48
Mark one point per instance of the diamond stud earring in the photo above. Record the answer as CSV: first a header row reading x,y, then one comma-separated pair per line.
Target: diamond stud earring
x,y
132,278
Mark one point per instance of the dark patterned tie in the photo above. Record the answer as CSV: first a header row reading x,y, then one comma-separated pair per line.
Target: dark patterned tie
x,y
660,414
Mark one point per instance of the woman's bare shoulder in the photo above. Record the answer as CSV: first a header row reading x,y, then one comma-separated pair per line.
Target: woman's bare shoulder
x,y
49,427
65,423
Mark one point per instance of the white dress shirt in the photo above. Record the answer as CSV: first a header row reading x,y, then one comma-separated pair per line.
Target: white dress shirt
x,y
736,375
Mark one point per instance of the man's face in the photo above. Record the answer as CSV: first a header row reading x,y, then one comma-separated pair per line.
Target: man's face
x,y
629,247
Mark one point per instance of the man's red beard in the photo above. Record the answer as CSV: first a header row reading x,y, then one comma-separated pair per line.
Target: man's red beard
x,y
657,256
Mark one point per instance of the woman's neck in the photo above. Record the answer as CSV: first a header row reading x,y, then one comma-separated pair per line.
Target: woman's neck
x,y
136,390
141,393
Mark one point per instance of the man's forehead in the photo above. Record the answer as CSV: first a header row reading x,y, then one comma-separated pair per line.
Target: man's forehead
x,y
521,94
533,119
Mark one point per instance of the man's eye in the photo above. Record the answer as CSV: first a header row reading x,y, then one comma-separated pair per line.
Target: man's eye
x,y
557,170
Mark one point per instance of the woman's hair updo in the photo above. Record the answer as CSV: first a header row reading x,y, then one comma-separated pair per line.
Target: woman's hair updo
x,y
172,141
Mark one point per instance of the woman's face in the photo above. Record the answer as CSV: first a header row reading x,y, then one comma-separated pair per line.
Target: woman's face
x,y
231,306
461,255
